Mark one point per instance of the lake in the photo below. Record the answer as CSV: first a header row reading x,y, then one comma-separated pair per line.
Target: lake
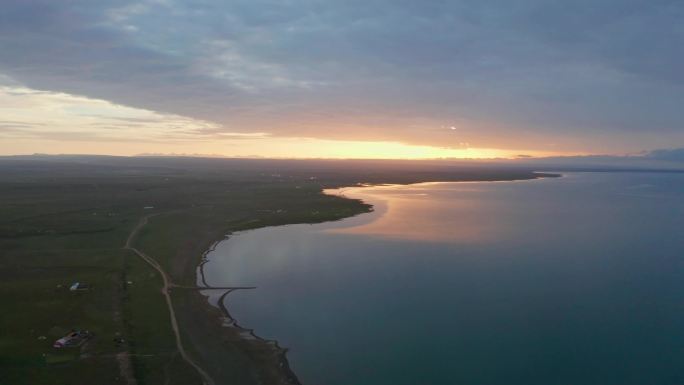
x,y
572,280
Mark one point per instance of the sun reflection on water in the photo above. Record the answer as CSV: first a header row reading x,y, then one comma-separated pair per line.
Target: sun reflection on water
x,y
423,212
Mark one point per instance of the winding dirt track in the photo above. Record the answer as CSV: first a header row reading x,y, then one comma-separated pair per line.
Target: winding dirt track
x,y
165,291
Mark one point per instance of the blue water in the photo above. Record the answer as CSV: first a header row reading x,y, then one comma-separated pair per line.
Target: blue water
x,y
573,280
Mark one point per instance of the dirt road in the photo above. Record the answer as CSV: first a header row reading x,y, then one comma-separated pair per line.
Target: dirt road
x,y
165,292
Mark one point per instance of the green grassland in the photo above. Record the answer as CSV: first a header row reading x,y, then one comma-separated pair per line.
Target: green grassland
x,y
67,219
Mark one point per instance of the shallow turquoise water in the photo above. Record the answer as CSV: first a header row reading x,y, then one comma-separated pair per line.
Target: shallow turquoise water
x,y
574,280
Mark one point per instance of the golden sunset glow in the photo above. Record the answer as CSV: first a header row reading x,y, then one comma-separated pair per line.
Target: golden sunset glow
x,y
63,123
264,147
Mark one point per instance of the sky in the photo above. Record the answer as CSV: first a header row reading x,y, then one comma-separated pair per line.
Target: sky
x,y
342,79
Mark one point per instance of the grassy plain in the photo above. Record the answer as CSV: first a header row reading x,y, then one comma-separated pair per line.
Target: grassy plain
x,y
66,219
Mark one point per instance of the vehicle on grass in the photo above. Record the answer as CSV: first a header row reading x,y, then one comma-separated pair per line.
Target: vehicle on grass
x,y
74,338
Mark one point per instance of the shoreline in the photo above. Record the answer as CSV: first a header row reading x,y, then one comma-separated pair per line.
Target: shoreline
x,y
230,322
221,313
290,375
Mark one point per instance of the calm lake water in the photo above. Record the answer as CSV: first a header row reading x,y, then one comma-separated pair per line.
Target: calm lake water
x,y
573,280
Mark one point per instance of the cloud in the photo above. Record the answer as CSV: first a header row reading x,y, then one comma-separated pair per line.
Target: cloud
x,y
675,154
32,114
592,75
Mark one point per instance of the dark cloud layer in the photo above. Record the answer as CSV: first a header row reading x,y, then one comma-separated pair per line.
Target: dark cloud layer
x,y
674,155
600,75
